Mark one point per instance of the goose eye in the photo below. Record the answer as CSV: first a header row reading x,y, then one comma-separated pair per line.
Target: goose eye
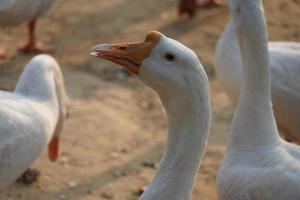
x,y
169,57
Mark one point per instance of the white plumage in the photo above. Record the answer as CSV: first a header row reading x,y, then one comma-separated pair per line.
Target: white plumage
x,y
14,12
31,117
285,69
258,164
176,74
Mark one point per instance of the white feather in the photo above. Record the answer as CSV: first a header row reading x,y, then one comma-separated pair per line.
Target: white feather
x,y
285,69
258,164
29,115
13,12
183,88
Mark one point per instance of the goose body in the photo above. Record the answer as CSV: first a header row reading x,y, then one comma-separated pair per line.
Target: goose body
x,y
258,164
14,12
176,74
285,73
31,117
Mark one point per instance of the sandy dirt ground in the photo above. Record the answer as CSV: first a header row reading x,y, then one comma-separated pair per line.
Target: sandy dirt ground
x,y
116,132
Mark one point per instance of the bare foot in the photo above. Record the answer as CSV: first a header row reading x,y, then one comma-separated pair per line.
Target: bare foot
x,y
29,176
2,53
190,6
187,7
34,49
140,191
32,46
208,3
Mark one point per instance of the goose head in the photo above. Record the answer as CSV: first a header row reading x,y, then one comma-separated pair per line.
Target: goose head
x,y
176,74
161,62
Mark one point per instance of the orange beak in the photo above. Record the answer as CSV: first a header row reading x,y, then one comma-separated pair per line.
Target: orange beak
x,y
128,55
53,148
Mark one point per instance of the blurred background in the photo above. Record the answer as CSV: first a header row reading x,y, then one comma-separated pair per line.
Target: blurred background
x,y
115,136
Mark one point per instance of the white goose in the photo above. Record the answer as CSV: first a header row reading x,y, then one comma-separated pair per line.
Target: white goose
x,y
258,164
285,69
14,12
178,77
31,117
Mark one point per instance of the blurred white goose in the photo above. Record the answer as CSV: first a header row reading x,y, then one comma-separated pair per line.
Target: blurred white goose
x,y
31,117
14,12
285,69
258,164
176,74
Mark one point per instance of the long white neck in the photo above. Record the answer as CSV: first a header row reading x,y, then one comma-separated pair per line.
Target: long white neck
x,y
253,122
38,86
228,49
228,62
42,81
188,114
